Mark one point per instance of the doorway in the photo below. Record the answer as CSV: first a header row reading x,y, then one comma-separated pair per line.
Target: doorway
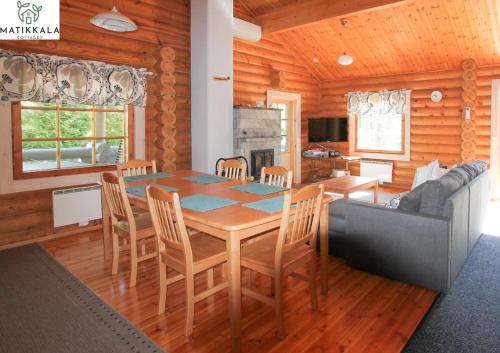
x,y
290,106
495,143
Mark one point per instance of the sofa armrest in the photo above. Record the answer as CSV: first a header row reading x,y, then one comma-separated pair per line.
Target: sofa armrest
x,y
406,246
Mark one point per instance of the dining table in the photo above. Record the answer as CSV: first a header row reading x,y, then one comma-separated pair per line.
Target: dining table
x,y
234,224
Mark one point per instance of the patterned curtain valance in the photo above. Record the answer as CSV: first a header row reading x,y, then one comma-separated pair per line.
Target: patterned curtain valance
x,y
382,102
53,79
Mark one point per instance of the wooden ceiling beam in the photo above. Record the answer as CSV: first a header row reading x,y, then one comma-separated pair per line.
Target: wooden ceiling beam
x,y
303,13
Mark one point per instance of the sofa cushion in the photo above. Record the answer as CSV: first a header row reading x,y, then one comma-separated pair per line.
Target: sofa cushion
x,y
467,173
478,166
411,201
436,192
337,208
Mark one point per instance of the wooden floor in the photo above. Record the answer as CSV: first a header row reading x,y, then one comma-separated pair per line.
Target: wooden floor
x,y
362,312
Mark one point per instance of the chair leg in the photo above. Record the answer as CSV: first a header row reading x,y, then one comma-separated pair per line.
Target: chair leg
x,y
189,305
133,262
210,278
163,287
278,300
312,283
116,254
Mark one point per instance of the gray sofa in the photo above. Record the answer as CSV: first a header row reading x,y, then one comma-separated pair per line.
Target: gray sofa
x,y
426,240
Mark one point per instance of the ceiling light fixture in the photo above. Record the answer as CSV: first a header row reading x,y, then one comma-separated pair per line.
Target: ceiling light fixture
x,y
114,21
315,60
345,59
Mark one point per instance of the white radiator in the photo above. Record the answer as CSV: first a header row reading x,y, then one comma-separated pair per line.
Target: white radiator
x,y
77,205
375,169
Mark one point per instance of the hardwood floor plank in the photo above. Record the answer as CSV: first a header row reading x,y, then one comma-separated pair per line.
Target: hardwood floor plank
x,y
361,313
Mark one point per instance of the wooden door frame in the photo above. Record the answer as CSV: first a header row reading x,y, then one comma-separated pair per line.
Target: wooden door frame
x,y
494,142
296,99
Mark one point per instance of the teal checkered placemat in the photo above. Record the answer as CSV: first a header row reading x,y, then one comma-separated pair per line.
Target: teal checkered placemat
x,y
206,179
204,203
271,205
147,176
259,189
141,189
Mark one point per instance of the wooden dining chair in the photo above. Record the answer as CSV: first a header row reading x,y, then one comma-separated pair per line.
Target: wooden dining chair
x,y
136,167
125,225
288,249
232,169
276,176
186,255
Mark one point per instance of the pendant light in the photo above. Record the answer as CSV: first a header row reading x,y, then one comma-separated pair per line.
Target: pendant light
x,y
114,21
345,59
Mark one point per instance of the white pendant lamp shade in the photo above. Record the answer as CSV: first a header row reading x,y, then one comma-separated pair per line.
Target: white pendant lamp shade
x,y
345,60
114,21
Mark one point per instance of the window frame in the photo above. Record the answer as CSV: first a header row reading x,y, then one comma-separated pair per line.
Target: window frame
x,y
17,151
403,137
403,155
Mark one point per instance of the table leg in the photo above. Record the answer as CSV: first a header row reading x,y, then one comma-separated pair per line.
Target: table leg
x,y
375,193
106,226
323,233
346,195
234,268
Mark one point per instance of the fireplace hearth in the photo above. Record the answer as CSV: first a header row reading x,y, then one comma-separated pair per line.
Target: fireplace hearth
x,y
259,159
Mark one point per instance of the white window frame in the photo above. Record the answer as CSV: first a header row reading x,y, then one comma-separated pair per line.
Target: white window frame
x,y
386,156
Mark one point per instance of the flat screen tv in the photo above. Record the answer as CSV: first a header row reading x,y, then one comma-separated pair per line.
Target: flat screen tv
x,y
328,129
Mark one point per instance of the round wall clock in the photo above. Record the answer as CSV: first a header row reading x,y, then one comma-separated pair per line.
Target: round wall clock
x,y
436,96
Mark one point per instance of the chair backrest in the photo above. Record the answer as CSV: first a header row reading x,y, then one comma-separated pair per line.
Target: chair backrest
x,y
302,226
168,221
232,169
277,176
136,167
116,198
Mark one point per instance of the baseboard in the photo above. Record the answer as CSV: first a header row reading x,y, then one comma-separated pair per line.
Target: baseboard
x,y
52,236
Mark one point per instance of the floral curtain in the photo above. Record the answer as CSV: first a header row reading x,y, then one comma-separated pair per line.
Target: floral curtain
x,y
382,102
53,79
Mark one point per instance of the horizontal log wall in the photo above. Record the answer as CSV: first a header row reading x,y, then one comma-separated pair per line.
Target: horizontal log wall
x,y
161,24
254,64
435,127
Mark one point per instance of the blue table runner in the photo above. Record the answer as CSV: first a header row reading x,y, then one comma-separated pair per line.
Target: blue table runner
x,y
259,189
140,190
147,177
205,203
206,179
271,205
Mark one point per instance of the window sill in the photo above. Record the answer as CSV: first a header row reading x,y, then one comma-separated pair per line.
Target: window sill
x,y
384,156
20,175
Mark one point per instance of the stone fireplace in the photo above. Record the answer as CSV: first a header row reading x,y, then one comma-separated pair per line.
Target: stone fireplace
x,y
257,137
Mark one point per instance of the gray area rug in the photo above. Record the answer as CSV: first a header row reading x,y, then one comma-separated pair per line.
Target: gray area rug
x,y
467,319
45,309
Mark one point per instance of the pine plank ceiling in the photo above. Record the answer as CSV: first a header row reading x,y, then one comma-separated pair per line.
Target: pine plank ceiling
x,y
411,36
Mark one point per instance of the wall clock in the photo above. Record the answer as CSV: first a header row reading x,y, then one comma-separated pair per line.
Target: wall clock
x,y
436,96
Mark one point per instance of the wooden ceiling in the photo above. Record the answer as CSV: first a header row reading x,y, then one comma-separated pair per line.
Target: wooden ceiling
x,y
411,36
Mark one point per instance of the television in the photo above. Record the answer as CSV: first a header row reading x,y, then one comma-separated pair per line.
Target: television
x,y
328,129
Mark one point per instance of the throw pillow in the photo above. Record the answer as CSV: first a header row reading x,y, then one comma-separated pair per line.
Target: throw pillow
x,y
411,201
394,203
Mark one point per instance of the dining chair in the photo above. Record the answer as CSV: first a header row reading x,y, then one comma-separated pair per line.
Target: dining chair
x,y
126,225
185,255
276,176
282,253
136,167
232,169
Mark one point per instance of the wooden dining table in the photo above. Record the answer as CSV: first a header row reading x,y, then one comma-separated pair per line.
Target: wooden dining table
x,y
233,224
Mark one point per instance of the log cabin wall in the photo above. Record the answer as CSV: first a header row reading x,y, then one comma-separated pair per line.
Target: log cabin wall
x,y
255,66
162,24
436,128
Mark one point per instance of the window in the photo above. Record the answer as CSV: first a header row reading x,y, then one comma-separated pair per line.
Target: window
x,y
379,124
379,132
57,139
283,124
